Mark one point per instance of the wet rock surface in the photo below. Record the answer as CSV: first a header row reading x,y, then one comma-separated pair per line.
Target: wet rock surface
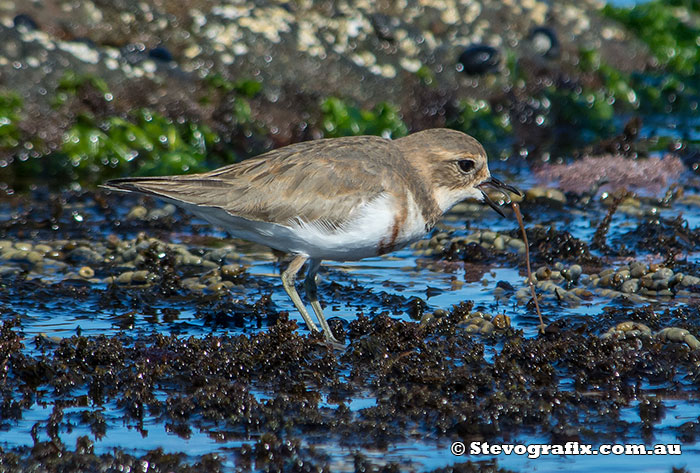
x,y
379,45
128,318
238,370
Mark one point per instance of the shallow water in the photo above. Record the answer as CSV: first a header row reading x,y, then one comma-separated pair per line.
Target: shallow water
x,y
403,275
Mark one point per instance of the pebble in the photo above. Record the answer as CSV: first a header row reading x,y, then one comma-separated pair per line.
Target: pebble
x,y
7,270
680,335
663,273
628,329
86,272
478,325
125,277
609,293
488,236
545,42
523,294
137,213
218,255
231,271
35,257
220,286
659,284
193,284
25,21
479,59
573,273
582,292
441,313
630,286
501,321
676,279
606,280
517,244
543,273
545,193
499,244
637,270
85,255
43,248
189,259
690,281
646,281
140,276
572,298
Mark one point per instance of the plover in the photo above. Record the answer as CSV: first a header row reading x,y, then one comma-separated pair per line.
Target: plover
x,y
339,199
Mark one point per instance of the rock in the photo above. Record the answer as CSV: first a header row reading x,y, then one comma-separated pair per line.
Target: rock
x,y
25,21
543,273
479,59
160,53
499,244
137,213
547,194
630,286
141,276
637,269
573,273
545,42
676,279
84,255
232,271
44,249
663,273
35,257
690,281
501,321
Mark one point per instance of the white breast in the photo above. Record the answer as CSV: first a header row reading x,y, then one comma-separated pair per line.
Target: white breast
x,y
370,226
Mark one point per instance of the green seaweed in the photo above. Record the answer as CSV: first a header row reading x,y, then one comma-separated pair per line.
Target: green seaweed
x,y
619,86
147,144
240,92
10,107
246,87
71,83
587,114
669,27
341,119
477,118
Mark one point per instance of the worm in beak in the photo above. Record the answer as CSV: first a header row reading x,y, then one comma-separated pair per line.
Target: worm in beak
x,y
501,187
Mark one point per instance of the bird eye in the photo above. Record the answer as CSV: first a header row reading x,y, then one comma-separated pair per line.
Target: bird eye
x,y
466,165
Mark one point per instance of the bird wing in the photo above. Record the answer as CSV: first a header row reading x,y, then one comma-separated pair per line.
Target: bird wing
x,y
319,182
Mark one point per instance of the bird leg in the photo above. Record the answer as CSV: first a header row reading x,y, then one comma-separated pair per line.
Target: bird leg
x,y
288,277
312,295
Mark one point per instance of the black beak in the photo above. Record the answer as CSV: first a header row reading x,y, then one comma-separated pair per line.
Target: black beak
x,y
501,187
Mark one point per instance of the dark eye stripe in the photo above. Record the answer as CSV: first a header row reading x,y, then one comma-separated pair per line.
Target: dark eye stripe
x,y
466,165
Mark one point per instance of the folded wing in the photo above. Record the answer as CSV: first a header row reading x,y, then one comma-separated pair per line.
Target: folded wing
x,y
320,182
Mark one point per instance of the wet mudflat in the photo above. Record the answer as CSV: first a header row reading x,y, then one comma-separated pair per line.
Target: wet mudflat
x,y
136,336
